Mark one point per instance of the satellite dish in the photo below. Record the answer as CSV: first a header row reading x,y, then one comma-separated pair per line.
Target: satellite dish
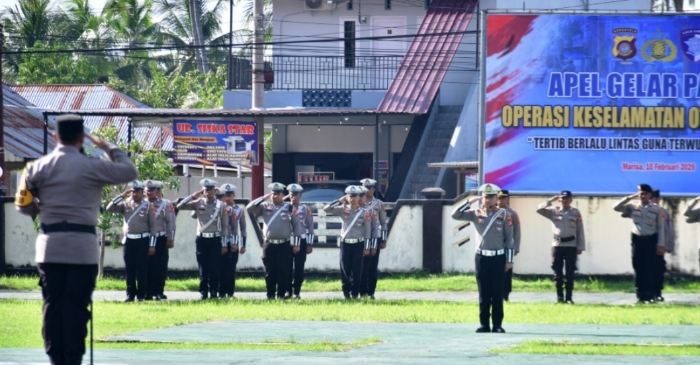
x,y
314,4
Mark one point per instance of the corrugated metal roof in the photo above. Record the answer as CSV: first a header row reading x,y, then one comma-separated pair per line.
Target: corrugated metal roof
x,y
91,97
24,126
166,113
422,70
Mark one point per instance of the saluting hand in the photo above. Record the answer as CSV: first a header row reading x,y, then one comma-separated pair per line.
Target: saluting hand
x,y
555,198
126,193
697,199
98,142
634,196
197,194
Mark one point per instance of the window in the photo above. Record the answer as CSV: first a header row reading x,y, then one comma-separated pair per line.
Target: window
x,y
387,4
349,44
350,5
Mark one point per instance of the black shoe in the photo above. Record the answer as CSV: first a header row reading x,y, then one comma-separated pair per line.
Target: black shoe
x,y
560,300
205,297
483,329
569,301
139,299
346,295
162,296
643,302
129,299
505,298
296,296
660,299
371,297
498,330
148,297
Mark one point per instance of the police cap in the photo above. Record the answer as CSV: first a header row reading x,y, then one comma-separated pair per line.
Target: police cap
x,y
227,188
207,183
353,190
151,184
295,188
645,188
489,189
503,193
368,183
656,193
276,187
136,185
565,194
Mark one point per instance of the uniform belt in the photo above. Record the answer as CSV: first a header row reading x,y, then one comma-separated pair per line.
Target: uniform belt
x,y
354,240
160,234
277,242
490,252
67,227
209,235
135,236
564,239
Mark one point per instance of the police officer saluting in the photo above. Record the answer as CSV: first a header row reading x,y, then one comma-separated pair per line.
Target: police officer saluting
x,y
504,203
66,249
139,238
494,253
229,261
568,241
212,235
306,219
169,244
648,239
379,209
165,230
280,230
355,238
367,260
660,268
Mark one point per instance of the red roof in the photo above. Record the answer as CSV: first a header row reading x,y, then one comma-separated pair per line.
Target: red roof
x,y
422,70
24,126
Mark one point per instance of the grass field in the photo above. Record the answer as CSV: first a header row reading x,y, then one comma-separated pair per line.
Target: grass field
x,y
403,282
21,319
570,348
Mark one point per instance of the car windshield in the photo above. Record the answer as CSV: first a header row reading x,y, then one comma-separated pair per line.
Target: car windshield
x,y
322,195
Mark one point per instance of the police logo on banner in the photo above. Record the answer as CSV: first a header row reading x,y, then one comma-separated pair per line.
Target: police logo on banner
x,y
690,44
659,49
624,46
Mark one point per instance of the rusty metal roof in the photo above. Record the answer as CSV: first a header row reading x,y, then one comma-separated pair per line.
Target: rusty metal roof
x,y
428,57
96,97
215,113
24,126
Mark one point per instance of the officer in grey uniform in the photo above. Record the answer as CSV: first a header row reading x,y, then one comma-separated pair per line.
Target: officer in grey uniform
x,y
670,245
380,210
648,239
355,238
229,261
67,250
504,203
306,219
139,238
238,213
367,260
280,230
494,253
212,235
164,226
691,213
568,242
169,244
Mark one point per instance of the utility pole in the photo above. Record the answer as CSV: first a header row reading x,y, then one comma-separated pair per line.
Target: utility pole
x,y
202,61
3,189
258,180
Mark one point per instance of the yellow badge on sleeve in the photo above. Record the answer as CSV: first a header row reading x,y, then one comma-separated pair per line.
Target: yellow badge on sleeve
x,y
24,197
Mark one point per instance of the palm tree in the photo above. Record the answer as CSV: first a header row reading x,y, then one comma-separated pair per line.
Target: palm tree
x,y
28,22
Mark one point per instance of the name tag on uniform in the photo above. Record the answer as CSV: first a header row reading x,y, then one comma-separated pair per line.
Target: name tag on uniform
x,y
559,218
637,213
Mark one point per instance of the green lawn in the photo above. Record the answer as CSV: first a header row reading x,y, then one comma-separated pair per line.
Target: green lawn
x,y
570,348
400,282
22,318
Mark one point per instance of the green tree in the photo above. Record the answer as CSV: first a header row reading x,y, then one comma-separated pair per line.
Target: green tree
x,y
58,68
151,164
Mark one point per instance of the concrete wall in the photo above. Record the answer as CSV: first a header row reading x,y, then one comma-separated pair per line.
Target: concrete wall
x,y
607,240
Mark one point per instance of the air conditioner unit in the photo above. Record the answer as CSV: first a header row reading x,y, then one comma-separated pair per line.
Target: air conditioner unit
x,y
321,5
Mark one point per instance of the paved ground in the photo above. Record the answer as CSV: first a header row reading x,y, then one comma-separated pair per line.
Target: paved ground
x,y
408,343
581,298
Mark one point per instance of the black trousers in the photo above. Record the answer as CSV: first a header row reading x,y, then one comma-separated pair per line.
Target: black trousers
x,y
158,267
490,271
276,261
227,284
369,274
643,262
67,291
351,267
136,265
564,257
208,258
507,284
659,271
296,269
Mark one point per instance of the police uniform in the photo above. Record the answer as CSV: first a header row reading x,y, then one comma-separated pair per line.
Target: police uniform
x,y
660,267
139,240
367,260
648,233
508,280
170,210
165,231
67,251
280,230
494,249
355,240
377,206
229,260
306,219
212,237
567,241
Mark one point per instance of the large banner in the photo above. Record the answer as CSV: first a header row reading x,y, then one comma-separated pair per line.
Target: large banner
x,y
592,103
215,142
